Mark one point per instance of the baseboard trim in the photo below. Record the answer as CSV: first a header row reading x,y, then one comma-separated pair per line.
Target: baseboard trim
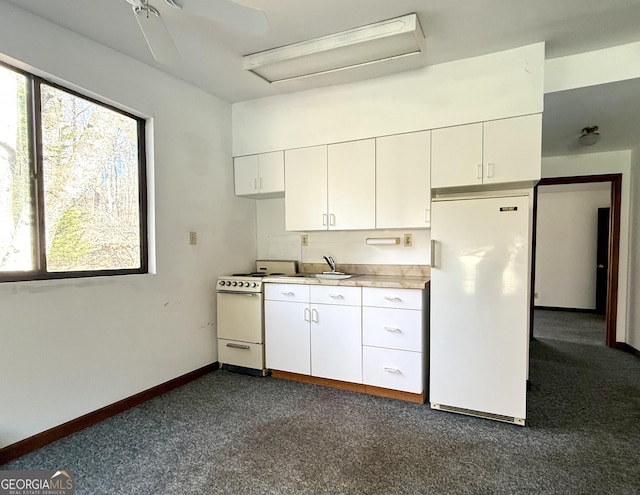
x,y
623,346
569,310
46,437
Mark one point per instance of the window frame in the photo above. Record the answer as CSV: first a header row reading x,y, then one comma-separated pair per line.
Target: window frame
x,y
36,156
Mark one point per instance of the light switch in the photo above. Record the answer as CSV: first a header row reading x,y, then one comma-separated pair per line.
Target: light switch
x,y
193,237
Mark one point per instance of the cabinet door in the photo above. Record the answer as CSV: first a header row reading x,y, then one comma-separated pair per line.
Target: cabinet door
x,y
245,174
287,338
512,149
403,188
352,185
271,172
305,186
336,342
456,156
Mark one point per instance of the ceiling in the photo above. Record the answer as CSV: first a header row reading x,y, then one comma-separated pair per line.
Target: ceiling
x,y
212,52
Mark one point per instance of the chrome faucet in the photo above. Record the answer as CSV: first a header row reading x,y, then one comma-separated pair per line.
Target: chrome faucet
x,y
330,262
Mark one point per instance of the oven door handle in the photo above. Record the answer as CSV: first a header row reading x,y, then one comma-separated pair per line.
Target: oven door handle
x,y
238,293
238,346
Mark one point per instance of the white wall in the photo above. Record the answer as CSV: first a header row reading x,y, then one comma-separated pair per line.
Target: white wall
x,y
566,244
489,87
633,334
595,164
68,347
274,242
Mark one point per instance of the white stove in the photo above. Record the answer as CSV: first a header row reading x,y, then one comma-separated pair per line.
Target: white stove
x,y
241,316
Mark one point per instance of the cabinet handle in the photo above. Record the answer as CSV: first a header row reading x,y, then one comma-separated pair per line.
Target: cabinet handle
x,y
336,296
394,299
238,346
490,170
392,329
332,219
427,215
389,369
255,184
287,293
307,314
313,311
324,219
479,171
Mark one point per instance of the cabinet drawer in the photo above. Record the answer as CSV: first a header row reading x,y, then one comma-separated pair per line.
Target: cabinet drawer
x,y
393,328
241,354
392,298
335,294
286,292
390,368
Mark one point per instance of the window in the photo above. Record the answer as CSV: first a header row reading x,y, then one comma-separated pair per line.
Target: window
x,y
72,183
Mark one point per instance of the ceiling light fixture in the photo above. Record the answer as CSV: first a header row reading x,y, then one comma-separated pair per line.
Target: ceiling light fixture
x,y
589,136
385,40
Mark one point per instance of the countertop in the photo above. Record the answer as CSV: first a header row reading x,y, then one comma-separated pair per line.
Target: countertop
x,y
386,281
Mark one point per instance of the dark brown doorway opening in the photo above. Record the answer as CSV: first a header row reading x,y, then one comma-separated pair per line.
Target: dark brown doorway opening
x,y
613,251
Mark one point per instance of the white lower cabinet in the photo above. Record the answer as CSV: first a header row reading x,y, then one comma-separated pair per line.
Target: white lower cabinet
x,y
391,368
393,337
370,336
287,333
336,342
314,330
287,336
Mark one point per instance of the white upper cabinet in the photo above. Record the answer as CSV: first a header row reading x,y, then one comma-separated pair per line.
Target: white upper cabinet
x,y
403,189
352,185
330,187
456,156
305,185
513,149
259,176
493,152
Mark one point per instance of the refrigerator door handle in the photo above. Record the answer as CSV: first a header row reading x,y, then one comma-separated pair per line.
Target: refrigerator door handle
x,y
434,263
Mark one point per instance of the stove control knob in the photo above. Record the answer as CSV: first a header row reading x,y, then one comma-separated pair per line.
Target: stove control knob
x,y
241,284
234,283
221,282
254,284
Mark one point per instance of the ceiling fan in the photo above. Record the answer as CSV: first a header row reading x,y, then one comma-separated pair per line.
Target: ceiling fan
x,y
163,49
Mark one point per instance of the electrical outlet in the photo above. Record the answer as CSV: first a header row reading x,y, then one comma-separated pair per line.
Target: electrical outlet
x,y
193,237
535,295
304,240
408,240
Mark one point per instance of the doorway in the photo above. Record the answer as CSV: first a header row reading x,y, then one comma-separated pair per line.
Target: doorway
x,y
611,251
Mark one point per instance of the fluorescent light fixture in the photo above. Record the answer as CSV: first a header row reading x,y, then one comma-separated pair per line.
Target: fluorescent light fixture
x,y
385,40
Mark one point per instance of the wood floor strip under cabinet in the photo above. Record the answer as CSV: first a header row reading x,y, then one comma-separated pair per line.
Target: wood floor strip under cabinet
x,y
351,387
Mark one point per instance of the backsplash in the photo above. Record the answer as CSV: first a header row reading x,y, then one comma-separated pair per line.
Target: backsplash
x,y
346,247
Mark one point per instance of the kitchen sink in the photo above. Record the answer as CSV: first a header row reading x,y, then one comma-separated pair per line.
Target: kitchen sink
x,y
332,276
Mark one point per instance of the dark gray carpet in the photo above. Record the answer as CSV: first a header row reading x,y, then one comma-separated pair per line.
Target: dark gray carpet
x,y
233,434
570,326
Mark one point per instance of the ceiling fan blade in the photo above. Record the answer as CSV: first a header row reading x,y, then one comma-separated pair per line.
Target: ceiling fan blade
x,y
157,35
235,15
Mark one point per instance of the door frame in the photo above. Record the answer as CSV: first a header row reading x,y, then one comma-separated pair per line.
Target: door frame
x,y
614,245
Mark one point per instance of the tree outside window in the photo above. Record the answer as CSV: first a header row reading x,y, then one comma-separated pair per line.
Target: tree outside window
x,y
72,199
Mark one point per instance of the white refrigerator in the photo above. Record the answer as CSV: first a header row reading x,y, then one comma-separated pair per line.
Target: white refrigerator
x,y
480,277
